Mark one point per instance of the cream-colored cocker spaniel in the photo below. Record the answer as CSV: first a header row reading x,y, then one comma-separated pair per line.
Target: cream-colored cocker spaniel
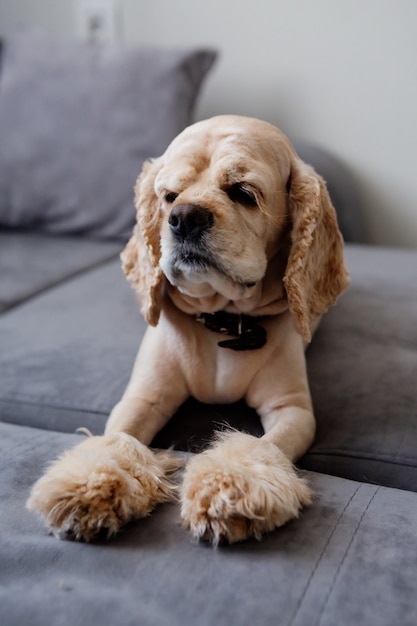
x,y
235,256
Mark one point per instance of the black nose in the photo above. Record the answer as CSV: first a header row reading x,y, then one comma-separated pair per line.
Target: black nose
x,y
189,221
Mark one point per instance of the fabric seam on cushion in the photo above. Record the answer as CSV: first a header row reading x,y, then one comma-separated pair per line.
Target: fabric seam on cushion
x,y
345,555
300,603
57,283
74,407
367,457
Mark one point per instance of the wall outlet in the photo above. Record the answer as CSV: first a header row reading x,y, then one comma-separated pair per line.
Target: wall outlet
x,y
98,21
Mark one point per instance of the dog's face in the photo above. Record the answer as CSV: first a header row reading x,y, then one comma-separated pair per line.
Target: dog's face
x,y
223,201
228,197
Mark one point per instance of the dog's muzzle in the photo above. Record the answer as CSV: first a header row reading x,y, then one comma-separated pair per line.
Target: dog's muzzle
x,y
189,222
189,256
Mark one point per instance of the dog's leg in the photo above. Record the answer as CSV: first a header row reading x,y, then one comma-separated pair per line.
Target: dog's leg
x,y
106,481
245,486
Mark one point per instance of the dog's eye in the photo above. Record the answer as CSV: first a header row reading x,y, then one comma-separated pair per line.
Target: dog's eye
x,y
170,197
239,192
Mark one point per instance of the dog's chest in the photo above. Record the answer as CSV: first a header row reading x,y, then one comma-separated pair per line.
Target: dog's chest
x,y
222,375
215,374
224,380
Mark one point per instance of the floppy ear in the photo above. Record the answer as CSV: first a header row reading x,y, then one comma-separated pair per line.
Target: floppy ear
x,y
140,258
316,273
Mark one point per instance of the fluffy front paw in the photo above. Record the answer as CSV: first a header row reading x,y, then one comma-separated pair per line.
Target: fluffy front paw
x,y
241,488
100,485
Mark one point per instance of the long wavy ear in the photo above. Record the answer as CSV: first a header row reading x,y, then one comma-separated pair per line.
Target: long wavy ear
x,y
140,258
316,273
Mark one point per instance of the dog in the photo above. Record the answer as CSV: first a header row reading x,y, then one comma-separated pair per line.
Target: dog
x,y
235,256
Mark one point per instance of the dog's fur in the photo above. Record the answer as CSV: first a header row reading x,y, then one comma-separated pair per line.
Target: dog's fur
x,y
262,240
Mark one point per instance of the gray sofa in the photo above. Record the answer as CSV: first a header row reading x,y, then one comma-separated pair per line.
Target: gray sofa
x,y
69,332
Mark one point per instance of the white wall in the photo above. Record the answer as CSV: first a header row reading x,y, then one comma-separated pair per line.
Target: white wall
x,y
341,73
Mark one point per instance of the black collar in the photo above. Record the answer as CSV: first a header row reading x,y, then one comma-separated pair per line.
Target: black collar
x,y
247,332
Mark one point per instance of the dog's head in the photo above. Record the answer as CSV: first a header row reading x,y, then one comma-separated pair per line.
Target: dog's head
x,y
228,195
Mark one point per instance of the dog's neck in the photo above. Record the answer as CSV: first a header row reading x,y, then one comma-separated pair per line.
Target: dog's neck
x,y
268,298
245,331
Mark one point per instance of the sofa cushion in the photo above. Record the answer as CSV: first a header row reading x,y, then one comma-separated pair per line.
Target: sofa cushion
x,y
77,122
32,262
327,567
363,371
67,356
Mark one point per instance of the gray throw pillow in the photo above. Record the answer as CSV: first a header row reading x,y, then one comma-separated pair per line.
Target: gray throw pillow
x,y
76,124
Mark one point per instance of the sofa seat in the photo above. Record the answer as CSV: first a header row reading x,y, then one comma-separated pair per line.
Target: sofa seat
x,y
33,262
362,368
331,566
67,354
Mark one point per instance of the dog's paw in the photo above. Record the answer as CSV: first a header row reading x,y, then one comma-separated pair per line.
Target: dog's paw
x,y
102,483
240,488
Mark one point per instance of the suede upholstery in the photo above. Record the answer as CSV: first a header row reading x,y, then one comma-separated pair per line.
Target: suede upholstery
x,y
345,561
69,331
365,403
